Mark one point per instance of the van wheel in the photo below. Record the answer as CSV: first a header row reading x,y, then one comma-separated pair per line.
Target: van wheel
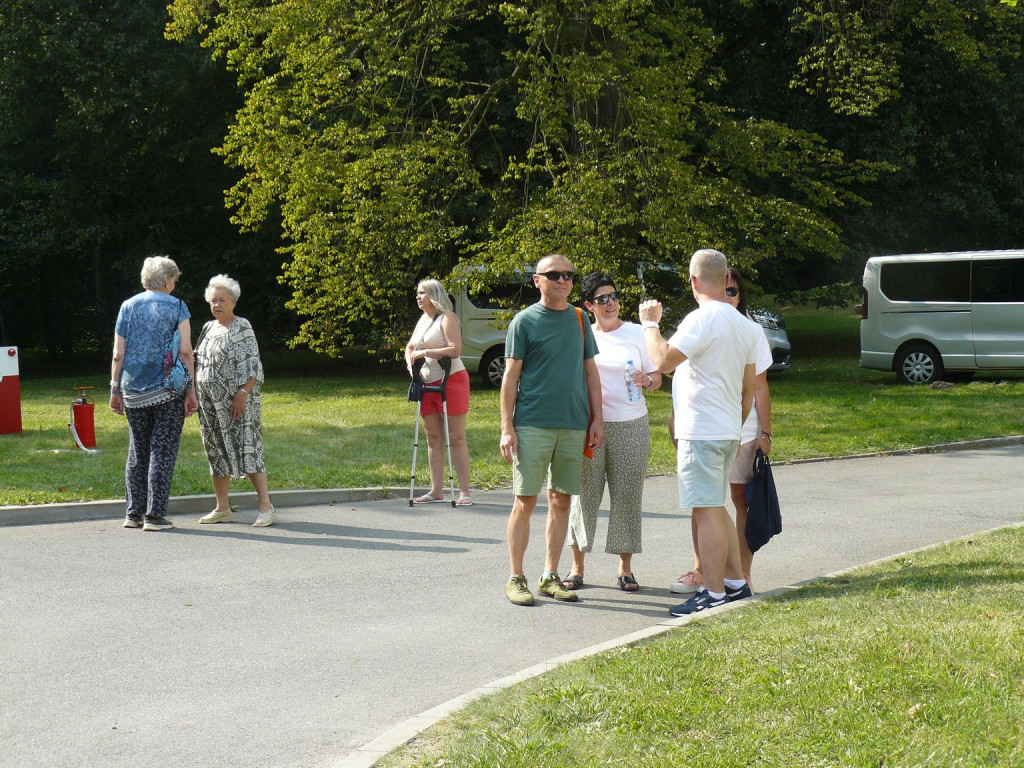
x,y
919,364
492,367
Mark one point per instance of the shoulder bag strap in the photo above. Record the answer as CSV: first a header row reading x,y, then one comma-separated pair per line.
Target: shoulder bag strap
x,y
587,450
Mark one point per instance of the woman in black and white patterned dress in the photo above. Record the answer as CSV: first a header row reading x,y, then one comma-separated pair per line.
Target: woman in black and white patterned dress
x,y
228,378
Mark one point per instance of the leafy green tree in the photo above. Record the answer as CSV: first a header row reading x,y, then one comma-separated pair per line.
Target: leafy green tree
x,y
405,139
927,90
105,136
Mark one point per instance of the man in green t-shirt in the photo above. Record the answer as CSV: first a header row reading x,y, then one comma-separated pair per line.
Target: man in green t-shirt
x,y
550,392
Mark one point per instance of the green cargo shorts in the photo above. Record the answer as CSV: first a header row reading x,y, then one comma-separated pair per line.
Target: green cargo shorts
x,y
551,451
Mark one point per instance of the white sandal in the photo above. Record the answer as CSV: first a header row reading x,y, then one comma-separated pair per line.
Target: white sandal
x,y
217,516
266,518
428,499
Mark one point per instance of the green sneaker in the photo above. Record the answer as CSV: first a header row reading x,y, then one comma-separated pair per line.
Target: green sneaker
x,y
517,592
552,586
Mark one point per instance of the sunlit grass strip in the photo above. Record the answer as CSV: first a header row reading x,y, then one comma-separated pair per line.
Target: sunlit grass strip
x,y
914,662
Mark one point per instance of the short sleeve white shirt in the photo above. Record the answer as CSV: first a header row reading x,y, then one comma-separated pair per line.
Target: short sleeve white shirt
x,y
707,389
614,349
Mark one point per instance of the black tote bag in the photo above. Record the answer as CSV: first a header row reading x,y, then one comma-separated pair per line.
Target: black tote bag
x,y
764,518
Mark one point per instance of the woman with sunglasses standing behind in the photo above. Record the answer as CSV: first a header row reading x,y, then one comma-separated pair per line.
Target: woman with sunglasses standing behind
x,y
621,461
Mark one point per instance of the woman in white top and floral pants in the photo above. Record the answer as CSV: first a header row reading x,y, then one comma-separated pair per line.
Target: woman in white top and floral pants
x,y
621,461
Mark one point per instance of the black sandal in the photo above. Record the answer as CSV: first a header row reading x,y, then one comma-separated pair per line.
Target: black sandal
x,y
628,584
572,581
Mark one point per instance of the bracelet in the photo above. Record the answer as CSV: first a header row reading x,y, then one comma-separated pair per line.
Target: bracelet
x,y
114,383
767,434
649,324
243,389
115,391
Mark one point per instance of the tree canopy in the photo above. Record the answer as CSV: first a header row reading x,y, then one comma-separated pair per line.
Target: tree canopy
x,y
365,145
106,130
404,139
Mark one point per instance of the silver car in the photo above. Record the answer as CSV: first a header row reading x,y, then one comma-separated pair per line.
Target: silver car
x,y
775,331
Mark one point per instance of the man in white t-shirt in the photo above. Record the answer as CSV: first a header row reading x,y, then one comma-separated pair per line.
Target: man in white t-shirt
x,y
711,396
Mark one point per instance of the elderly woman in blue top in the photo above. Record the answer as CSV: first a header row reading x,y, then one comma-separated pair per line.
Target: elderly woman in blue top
x,y
139,390
228,378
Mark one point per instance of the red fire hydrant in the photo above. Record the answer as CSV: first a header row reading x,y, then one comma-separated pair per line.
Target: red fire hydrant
x,y
83,426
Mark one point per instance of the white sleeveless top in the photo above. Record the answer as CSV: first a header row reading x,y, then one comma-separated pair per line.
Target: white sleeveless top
x,y
428,335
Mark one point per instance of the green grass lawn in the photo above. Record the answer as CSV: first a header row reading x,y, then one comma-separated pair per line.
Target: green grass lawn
x,y
355,428
915,662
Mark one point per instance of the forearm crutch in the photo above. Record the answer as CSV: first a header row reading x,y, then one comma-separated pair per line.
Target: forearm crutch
x,y
416,396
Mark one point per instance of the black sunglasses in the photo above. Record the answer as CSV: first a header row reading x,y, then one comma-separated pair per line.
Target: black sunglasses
x,y
732,290
602,300
553,275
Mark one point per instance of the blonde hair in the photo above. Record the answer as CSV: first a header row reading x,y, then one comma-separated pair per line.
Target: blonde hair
x,y
157,270
437,294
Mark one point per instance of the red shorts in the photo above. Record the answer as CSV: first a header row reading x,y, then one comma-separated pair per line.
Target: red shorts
x,y
457,391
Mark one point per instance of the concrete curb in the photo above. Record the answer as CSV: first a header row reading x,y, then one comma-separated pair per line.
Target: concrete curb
x,y
369,754
964,445
75,511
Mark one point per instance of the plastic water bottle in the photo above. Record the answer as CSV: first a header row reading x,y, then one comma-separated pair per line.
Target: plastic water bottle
x,y
633,393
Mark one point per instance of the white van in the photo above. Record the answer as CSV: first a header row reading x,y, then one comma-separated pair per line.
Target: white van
x,y
483,332
934,316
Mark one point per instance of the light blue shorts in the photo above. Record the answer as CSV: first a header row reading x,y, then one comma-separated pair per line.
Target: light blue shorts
x,y
702,468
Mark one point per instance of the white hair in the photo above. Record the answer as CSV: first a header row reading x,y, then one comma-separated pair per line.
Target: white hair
x,y
709,266
157,270
229,284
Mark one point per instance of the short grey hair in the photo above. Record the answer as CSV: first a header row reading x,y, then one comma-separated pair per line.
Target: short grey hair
x,y
229,284
709,266
157,270
550,259
437,294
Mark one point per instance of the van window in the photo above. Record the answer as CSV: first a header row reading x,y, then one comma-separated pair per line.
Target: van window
x,y
998,280
510,295
927,281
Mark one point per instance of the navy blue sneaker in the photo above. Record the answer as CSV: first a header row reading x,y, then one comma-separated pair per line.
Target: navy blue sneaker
x,y
738,594
701,601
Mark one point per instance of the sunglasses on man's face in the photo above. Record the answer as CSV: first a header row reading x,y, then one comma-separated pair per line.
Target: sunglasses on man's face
x,y
602,300
732,290
553,275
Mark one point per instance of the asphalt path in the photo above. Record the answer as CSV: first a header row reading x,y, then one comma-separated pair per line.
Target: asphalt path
x,y
295,645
